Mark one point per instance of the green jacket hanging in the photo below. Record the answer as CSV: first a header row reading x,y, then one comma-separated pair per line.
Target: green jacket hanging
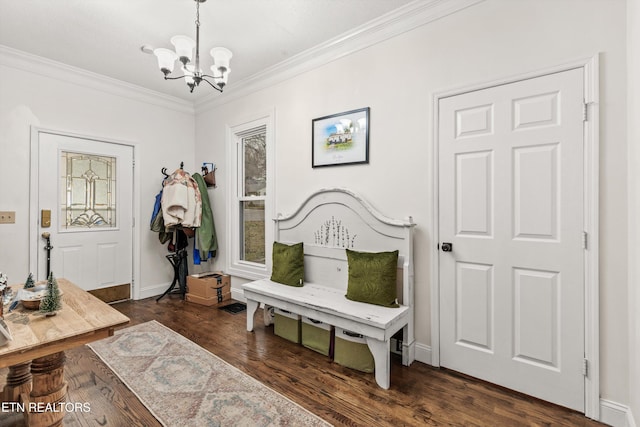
x,y
205,234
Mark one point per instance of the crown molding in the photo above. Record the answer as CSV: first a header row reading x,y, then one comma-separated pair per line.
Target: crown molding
x,y
23,61
394,23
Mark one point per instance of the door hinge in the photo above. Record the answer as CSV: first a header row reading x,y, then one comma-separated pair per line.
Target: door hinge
x,y
585,367
585,112
584,240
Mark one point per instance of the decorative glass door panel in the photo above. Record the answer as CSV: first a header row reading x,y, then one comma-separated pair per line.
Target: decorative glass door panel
x,y
88,185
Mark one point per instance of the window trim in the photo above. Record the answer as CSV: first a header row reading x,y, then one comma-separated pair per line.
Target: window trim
x,y
236,266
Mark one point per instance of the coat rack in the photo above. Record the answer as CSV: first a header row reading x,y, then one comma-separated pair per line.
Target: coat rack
x,y
163,171
178,261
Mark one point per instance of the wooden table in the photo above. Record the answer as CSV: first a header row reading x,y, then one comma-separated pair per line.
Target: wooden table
x,y
35,356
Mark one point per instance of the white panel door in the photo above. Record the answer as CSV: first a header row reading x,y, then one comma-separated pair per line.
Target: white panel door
x,y
511,205
87,185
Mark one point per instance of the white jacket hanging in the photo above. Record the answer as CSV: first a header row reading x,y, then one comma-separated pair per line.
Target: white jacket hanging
x,y
181,200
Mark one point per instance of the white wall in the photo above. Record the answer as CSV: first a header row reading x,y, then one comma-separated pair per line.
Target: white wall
x,y
633,143
162,137
397,79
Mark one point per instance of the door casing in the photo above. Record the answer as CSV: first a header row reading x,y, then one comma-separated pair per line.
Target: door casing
x,y
34,235
591,178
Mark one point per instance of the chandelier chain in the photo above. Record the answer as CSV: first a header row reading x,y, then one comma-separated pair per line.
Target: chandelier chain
x,y
197,13
197,72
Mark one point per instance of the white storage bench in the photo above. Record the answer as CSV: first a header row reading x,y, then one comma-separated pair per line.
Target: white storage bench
x,y
328,222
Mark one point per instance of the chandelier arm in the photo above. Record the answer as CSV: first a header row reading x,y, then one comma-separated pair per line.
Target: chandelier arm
x,y
174,78
207,75
211,84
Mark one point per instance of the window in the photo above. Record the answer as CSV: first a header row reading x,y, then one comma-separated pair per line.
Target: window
x,y
250,198
252,195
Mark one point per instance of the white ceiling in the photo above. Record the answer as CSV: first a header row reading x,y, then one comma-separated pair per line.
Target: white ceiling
x,y
105,36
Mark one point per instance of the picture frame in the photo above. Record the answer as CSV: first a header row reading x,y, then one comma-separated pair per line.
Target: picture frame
x,y
340,139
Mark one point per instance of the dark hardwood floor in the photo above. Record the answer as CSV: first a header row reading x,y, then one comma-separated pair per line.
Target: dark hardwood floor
x,y
419,394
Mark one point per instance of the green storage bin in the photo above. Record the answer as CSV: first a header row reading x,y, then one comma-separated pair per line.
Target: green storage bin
x,y
316,335
287,325
351,350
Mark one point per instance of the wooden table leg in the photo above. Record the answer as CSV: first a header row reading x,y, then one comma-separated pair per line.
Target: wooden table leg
x,y
18,382
48,392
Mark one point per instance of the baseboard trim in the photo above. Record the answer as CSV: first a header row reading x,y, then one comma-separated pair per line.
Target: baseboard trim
x,y
238,295
153,291
616,414
423,353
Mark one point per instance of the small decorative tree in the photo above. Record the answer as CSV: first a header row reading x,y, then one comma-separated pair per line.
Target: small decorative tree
x,y
29,283
51,301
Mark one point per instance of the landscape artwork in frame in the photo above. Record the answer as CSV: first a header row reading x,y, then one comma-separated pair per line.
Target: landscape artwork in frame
x,y
340,139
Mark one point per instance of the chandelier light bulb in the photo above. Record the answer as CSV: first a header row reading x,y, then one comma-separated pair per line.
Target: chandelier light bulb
x,y
166,59
184,48
220,78
221,57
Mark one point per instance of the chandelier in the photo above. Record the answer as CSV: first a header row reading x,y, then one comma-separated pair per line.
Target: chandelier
x,y
192,73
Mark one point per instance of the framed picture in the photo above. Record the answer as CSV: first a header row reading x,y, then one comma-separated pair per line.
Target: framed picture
x,y
340,139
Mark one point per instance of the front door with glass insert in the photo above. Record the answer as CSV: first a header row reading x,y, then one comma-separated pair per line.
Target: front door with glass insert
x,y
85,187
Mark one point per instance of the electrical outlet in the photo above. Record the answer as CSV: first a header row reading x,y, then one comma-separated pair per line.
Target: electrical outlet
x,y
7,217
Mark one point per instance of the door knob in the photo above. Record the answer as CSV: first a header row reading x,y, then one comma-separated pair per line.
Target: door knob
x,y
447,247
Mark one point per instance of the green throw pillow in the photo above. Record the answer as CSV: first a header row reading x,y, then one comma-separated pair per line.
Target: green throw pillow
x,y
288,264
372,277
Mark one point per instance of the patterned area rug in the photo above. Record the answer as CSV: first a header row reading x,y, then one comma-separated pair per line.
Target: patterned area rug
x,y
183,384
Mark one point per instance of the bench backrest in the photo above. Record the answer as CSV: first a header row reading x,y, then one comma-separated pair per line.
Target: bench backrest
x,y
331,220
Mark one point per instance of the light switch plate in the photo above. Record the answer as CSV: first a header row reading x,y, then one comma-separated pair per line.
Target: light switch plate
x,y
7,217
